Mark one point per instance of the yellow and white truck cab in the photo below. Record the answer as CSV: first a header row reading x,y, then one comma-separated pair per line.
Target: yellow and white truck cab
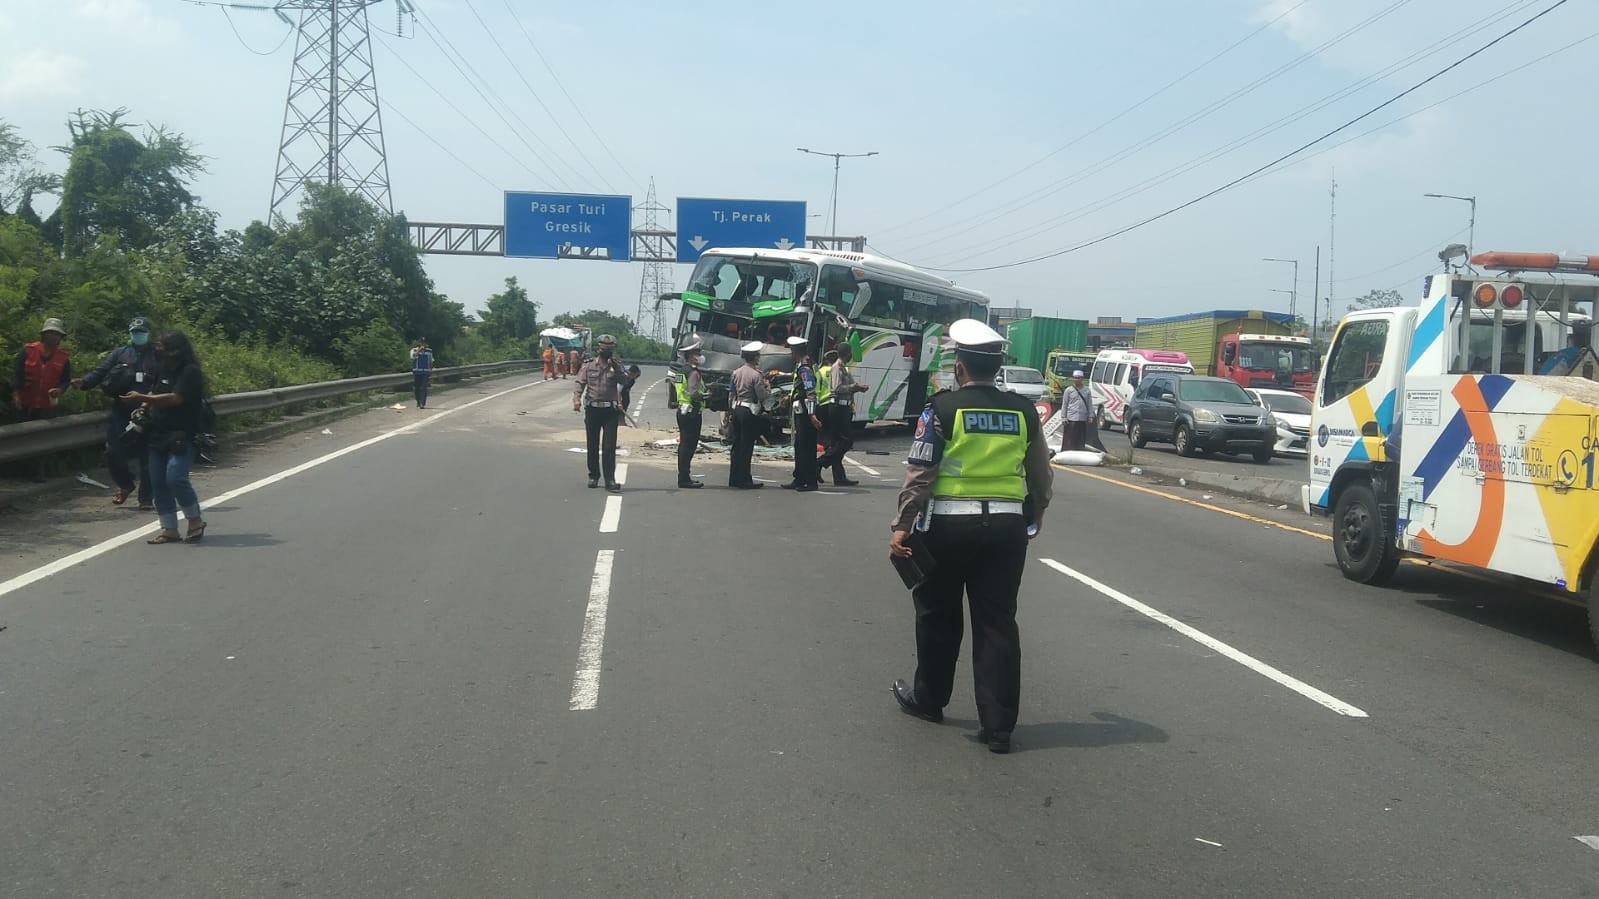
x,y
1464,429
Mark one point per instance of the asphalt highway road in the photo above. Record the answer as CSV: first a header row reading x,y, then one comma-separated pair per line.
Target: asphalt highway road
x,y
417,657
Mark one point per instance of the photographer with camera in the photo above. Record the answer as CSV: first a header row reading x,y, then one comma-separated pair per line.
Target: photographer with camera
x,y
130,367
171,413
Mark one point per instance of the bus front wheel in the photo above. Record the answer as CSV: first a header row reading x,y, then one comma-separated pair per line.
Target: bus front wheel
x,y
1593,611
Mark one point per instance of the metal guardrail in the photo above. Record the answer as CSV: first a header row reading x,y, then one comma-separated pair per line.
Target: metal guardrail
x,y
74,432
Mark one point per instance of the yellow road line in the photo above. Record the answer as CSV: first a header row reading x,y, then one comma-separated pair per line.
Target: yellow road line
x,y
1439,564
1194,502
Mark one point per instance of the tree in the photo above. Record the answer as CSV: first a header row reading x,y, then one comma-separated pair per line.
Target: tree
x,y
599,321
121,184
1377,299
510,316
19,179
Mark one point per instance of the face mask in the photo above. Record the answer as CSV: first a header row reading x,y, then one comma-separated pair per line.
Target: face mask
x,y
605,354
139,338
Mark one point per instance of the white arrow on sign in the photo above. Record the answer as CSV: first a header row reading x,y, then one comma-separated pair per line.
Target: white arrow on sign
x,y
699,243
785,244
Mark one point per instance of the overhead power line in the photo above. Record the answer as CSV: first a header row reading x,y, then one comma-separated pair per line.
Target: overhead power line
x,y
462,64
1011,206
1126,111
1280,159
428,135
1055,222
558,83
456,107
540,100
287,33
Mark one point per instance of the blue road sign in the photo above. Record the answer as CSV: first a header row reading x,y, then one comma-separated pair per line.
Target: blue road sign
x,y
556,226
702,224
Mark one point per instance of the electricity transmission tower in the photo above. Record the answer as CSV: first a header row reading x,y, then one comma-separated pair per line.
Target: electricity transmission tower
x,y
657,277
332,124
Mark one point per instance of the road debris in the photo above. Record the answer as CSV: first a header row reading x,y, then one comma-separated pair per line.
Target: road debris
x,y
327,432
1207,842
85,479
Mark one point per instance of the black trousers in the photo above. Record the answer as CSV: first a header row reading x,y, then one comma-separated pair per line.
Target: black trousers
x,y
839,437
419,387
746,428
980,558
804,450
688,440
600,423
119,451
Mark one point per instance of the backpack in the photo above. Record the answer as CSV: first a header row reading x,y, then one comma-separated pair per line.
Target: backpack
x,y
122,377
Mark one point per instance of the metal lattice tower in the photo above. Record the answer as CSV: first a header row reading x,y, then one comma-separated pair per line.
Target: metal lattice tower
x,y
657,277
332,124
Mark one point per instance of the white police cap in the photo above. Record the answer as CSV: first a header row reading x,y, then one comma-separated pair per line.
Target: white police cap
x,y
753,346
972,336
692,345
797,341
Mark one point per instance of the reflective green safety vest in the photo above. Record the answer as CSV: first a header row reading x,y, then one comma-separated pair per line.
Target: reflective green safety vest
x,y
984,456
824,385
686,402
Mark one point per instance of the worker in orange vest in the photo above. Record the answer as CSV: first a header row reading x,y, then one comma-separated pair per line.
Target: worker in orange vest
x,y
549,363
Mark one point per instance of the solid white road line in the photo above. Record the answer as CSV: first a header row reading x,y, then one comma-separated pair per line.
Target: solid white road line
x,y
871,471
1591,842
1209,642
591,649
621,472
105,546
611,518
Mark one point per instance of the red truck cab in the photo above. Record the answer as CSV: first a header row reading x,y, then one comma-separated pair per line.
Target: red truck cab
x,y
1273,361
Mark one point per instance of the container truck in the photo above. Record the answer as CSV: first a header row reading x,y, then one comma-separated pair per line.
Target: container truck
x,y
1252,348
1033,339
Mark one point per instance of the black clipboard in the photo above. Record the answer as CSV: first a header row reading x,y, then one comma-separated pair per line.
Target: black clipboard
x,y
918,567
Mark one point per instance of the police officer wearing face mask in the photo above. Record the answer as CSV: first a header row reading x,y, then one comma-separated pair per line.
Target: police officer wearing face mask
x,y
977,483
130,367
806,420
597,394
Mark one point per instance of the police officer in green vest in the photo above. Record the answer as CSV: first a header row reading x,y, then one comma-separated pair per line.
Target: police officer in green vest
x,y
806,419
976,485
688,398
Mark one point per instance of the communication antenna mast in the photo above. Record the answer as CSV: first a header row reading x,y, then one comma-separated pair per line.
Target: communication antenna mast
x,y
332,123
1332,240
657,277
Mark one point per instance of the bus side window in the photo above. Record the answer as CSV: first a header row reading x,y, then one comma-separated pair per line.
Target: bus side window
x,y
838,288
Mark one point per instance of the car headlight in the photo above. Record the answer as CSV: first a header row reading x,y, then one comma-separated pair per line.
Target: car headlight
x,y
1205,415
1269,420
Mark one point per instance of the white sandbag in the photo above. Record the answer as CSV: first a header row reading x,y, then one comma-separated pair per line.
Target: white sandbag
x,y
1079,457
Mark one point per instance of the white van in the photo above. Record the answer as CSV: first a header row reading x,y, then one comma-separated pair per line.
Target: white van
x,y
1116,375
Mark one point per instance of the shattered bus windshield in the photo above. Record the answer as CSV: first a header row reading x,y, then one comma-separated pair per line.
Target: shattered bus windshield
x,y
741,285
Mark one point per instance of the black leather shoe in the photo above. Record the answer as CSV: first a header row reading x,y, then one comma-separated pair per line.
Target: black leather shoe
x,y
847,483
804,488
689,485
594,482
790,486
905,695
613,487
998,742
754,485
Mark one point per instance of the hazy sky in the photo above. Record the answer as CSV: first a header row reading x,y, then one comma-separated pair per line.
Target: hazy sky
x,y
1006,129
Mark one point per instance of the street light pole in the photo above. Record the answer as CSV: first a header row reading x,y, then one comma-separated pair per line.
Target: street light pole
x,y
837,157
1471,232
1293,295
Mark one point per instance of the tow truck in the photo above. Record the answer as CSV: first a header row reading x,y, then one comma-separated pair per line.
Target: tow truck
x,y
1465,429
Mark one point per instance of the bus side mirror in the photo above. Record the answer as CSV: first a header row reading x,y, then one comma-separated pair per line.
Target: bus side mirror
x,y
674,334
862,297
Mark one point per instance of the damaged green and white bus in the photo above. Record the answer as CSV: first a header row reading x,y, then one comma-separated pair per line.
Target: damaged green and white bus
x,y
895,317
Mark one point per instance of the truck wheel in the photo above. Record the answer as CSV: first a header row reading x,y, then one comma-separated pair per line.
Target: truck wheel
x,y
1593,612
1185,441
1135,434
1104,420
1263,455
1366,552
